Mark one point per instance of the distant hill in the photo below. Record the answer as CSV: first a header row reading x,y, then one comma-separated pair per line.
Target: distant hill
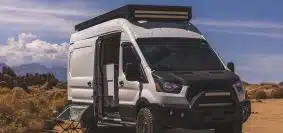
x,y
1,67
281,83
32,68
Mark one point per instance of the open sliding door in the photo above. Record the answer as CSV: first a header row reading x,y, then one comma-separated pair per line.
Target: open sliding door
x,y
106,64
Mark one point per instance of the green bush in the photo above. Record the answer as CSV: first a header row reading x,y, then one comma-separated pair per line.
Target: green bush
x,y
259,95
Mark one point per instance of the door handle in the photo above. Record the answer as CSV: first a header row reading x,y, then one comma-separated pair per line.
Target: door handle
x,y
121,83
89,83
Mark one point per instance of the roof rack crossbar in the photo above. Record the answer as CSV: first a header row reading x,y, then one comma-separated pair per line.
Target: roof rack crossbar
x,y
141,12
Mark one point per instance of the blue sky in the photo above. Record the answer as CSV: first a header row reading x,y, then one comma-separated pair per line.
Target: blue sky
x,y
249,33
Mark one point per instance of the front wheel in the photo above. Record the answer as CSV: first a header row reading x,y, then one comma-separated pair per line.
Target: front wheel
x,y
229,128
146,122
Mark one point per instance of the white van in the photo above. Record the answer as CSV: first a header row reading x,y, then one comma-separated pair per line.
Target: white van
x,y
150,67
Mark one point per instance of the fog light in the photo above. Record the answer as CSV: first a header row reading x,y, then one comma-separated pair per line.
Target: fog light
x,y
182,115
171,112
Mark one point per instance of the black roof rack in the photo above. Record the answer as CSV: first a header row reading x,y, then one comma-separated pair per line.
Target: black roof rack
x,y
142,12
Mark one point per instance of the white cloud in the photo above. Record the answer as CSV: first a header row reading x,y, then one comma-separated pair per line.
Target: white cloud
x,y
43,10
35,16
29,49
260,67
37,22
239,23
264,34
266,63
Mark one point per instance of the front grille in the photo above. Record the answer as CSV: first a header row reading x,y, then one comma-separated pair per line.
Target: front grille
x,y
196,89
215,99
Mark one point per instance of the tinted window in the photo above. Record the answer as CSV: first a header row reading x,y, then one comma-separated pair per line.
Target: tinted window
x,y
179,54
129,56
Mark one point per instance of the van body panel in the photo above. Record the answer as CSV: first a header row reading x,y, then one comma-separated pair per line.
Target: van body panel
x,y
80,70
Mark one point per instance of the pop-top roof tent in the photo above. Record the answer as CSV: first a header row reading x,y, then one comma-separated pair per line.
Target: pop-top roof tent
x,y
142,12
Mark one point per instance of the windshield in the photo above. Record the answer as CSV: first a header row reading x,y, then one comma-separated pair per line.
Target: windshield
x,y
179,54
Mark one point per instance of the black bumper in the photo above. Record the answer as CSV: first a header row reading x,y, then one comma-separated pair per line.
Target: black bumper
x,y
200,118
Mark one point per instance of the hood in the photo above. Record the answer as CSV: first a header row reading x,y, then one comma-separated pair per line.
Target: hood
x,y
198,77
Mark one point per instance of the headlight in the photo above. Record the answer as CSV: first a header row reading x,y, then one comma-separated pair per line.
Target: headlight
x,y
169,87
239,88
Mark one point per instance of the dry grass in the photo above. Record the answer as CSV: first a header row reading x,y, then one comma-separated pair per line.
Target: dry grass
x,y
264,91
22,112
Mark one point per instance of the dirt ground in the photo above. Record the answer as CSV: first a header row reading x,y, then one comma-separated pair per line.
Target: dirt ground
x,y
267,117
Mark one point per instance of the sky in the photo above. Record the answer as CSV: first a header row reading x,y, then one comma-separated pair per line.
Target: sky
x,y
249,33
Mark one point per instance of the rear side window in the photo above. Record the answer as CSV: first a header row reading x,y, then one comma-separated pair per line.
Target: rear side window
x,y
81,62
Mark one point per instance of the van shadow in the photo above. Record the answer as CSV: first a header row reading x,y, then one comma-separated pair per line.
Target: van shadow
x,y
118,129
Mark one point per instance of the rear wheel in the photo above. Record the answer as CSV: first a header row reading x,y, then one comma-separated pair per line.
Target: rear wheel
x,y
146,123
89,121
229,128
89,125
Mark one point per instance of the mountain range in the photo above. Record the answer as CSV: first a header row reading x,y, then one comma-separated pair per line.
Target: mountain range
x,y
32,68
60,72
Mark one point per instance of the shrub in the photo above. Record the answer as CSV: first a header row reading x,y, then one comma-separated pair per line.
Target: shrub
x,y
277,93
22,112
259,95
62,85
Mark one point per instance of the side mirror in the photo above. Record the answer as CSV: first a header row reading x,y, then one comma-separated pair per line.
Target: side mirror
x,y
133,71
231,66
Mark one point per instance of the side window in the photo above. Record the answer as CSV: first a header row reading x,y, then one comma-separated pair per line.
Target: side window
x,y
132,64
129,57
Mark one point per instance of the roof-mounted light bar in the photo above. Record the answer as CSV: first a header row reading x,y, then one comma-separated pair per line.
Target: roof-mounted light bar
x,y
142,12
145,14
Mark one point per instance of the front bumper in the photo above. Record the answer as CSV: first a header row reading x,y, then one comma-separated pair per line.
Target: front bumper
x,y
200,118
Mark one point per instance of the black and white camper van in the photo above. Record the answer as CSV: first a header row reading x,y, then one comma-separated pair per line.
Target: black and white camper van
x,y
150,67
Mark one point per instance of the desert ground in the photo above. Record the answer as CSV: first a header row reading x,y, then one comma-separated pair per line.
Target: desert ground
x,y
267,117
24,111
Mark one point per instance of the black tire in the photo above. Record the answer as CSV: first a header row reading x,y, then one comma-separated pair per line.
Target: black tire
x,y
229,128
89,121
89,125
146,123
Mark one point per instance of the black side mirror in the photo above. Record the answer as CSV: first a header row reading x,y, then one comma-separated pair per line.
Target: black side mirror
x,y
133,71
231,66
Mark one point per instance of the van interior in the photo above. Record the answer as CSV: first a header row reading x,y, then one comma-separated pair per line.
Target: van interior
x,y
108,68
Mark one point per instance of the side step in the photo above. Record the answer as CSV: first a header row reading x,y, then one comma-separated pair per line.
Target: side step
x,y
115,120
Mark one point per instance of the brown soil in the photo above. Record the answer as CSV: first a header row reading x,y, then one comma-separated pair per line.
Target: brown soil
x,y
267,117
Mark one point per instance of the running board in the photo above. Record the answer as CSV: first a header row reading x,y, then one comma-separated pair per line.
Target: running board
x,y
111,121
214,104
